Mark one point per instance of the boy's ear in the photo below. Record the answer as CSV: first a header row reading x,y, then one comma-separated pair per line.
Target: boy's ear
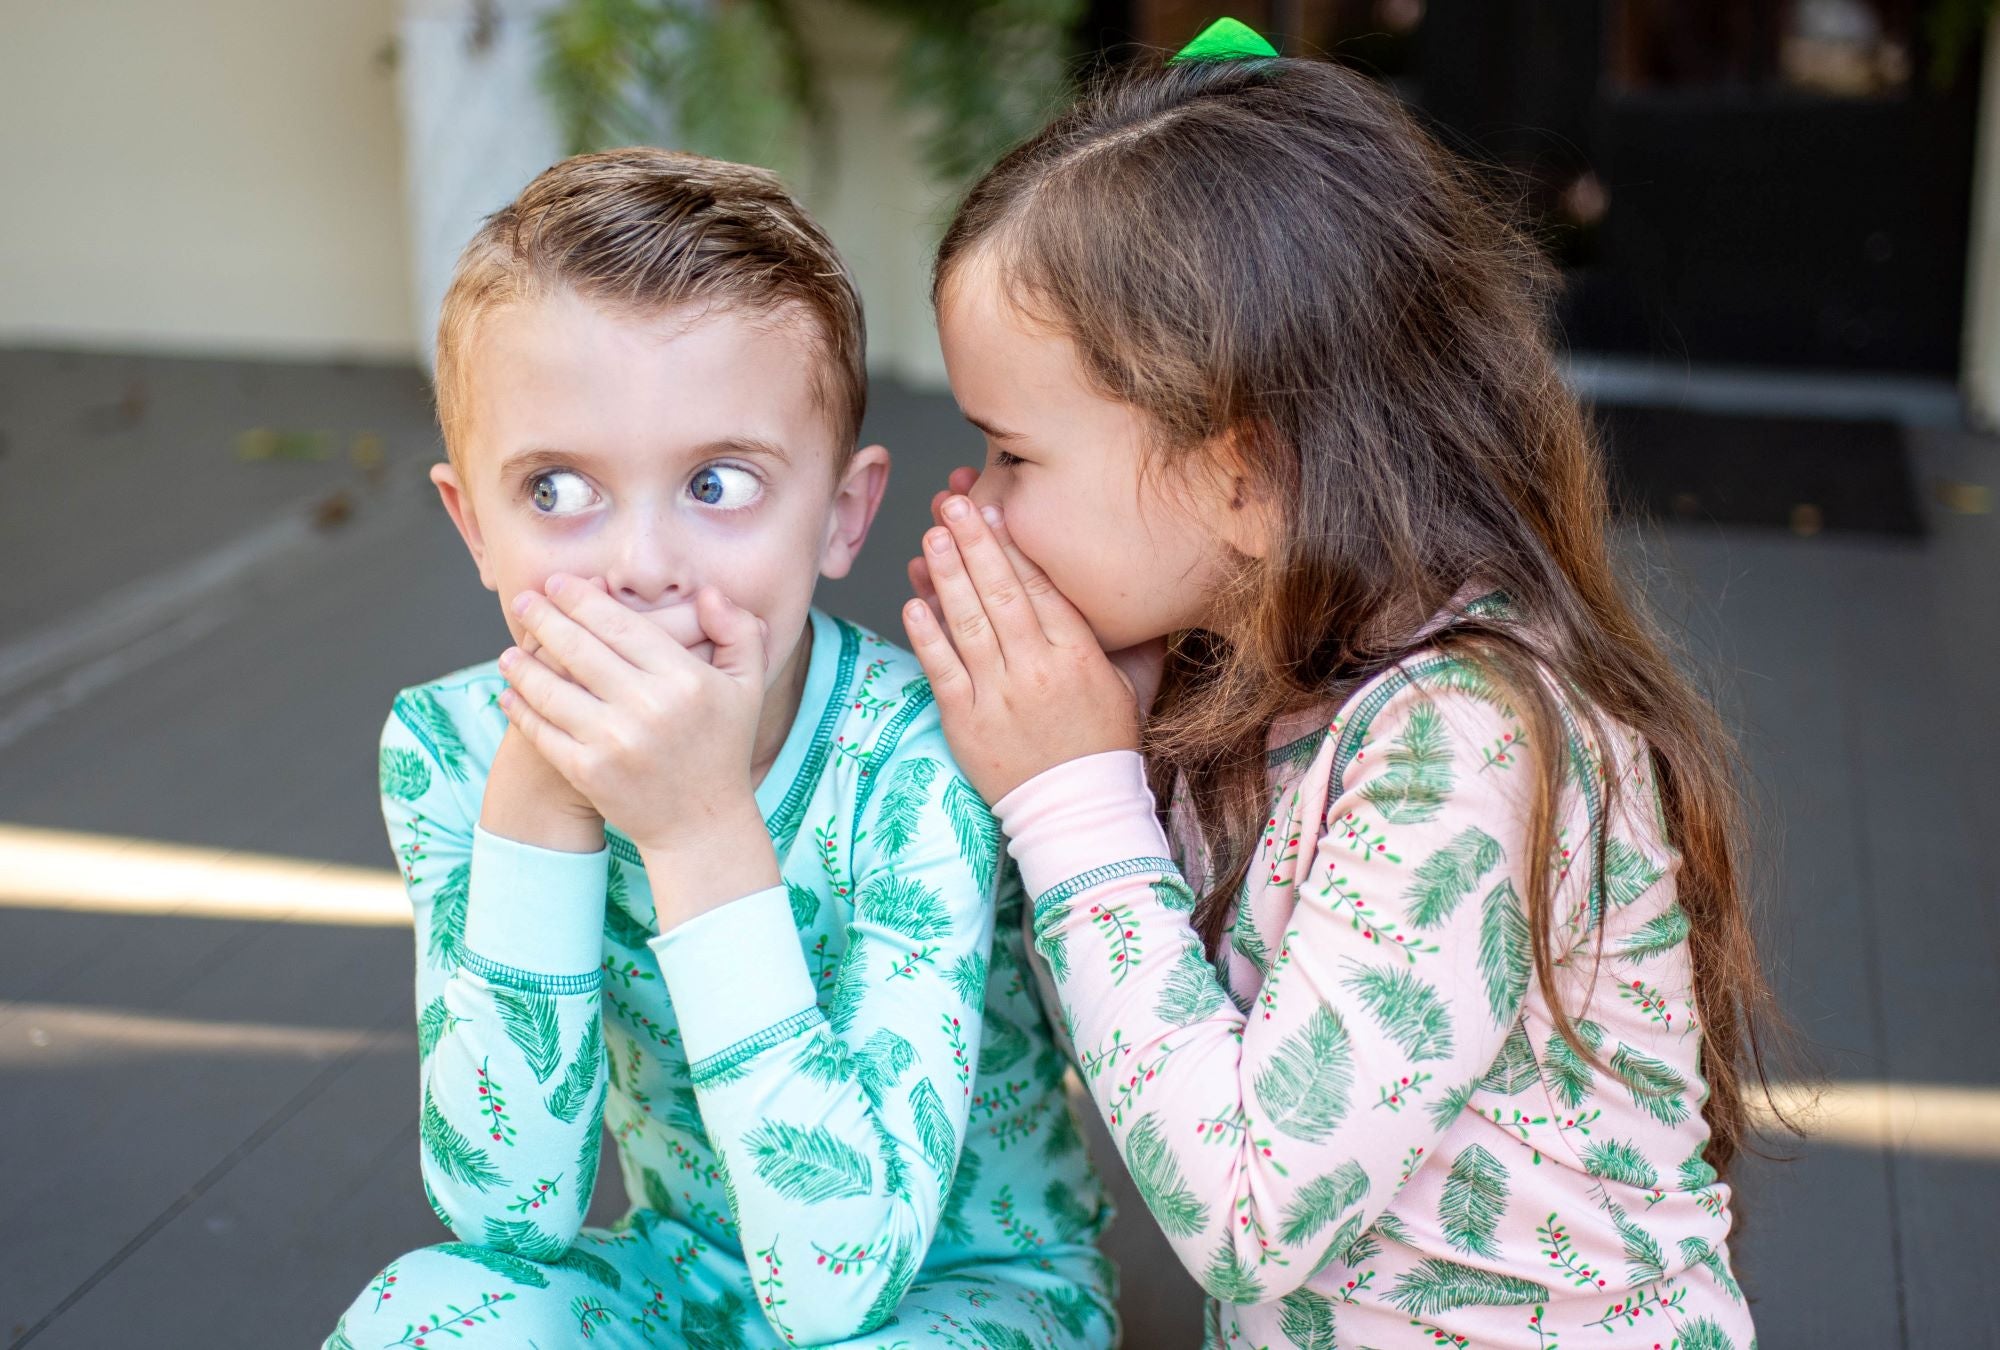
x,y
458,505
855,500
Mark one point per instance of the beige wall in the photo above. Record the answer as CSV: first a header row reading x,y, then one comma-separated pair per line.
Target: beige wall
x,y
216,176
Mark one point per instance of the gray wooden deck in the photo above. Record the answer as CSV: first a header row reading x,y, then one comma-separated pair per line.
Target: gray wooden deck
x,y
208,1126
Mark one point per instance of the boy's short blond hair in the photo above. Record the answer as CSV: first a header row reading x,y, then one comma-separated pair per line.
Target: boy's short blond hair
x,y
642,231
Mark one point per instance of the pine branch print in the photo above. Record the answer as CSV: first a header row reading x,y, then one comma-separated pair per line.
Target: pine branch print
x,y
447,945
1306,1320
1419,777
1656,1089
881,1063
1050,939
1303,1089
1229,1279
1660,934
934,1132
1445,1109
1475,1198
1408,1010
1703,1333
978,833
1320,1201
530,1021
1172,893
999,1336
1628,873
1697,1252
1645,1263
420,711
1444,879
1001,1044
1695,1173
402,774
574,1091
1435,1285
1248,942
620,927
1611,1160
897,818
903,905
1570,1076
513,1268
902,1272
967,977
850,987
434,1023
1514,1070
1190,992
963,1180
452,1153
522,1238
804,903
808,1165
1157,1174
1504,957
1072,1218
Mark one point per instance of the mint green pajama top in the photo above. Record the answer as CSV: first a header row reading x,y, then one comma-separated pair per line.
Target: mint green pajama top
x,y
845,1080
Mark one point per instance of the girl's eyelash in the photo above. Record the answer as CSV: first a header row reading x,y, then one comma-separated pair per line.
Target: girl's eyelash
x,y
1003,459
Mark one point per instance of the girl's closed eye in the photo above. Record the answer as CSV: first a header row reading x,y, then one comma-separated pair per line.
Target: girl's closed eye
x,y
727,487
1006,459
558,492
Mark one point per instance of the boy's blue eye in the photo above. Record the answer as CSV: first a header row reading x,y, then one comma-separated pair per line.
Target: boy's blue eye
x,y
723,485
552,493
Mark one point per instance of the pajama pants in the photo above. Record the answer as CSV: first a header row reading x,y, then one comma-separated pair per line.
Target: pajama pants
x,y
656,1282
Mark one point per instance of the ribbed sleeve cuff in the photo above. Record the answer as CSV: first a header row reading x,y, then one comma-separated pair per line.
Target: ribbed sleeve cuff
x,y
1080,815
735,973
536,909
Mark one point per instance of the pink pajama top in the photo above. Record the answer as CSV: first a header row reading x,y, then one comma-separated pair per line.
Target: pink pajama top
x,y
1358,1125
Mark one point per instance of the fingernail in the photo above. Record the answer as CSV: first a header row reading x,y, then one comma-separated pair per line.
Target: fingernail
x,y
940,541
509,657
522,601
553,584
955,509
992,514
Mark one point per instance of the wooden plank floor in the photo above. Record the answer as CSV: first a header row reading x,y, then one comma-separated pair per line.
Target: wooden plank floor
x,y
209,1124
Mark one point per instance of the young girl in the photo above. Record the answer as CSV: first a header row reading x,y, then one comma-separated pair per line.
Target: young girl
x,y
1420,1021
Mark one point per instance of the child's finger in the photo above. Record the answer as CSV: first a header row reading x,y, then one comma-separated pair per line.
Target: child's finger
x,y
549,697
962,478
550,741
964,616
946,673
1061,620
628,636
1000,592
739,636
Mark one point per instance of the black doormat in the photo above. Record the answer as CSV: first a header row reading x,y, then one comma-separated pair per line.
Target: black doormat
x,y
1803,474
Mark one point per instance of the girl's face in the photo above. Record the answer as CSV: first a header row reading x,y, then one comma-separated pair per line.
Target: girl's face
x,y
1140,554
656,456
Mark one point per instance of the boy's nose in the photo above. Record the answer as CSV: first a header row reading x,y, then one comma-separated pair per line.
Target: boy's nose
x,y
646,571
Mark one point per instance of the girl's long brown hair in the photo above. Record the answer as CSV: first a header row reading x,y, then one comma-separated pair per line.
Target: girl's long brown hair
x,y
1270,255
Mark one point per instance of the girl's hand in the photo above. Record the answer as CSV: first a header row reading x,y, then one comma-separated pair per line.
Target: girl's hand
x,y
1020,681
658,740
1140,664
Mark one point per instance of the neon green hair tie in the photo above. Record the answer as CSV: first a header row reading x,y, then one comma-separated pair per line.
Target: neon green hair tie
x,y
1225,40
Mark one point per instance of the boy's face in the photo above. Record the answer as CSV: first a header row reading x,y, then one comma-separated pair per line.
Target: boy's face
x,y
657,454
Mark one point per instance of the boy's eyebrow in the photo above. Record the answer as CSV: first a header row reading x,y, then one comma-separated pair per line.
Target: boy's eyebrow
x,y
526,462
995,432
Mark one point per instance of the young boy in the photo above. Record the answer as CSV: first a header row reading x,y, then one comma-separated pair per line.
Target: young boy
x,y
701,839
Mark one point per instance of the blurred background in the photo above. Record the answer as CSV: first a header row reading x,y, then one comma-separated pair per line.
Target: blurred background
x,y
224,228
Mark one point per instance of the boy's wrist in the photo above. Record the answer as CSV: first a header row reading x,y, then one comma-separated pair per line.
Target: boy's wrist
x,y
709,860
528,801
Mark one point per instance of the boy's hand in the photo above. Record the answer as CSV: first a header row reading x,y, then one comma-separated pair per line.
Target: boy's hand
x,y
1020,681
657,739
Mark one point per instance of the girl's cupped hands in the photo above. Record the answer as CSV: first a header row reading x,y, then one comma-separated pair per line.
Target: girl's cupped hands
x,y
1020,682
658,739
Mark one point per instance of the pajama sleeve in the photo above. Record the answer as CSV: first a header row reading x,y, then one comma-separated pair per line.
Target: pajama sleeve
x,y
510,1048
841,1127
1265,1143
